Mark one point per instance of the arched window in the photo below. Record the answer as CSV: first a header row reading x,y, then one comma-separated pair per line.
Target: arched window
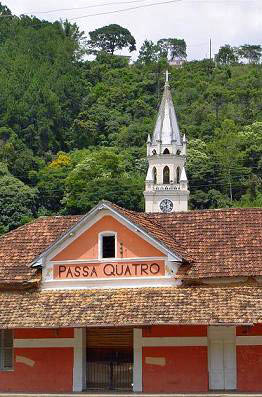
x,y
166,175
154,174
166,151
178,152
178,175
154,152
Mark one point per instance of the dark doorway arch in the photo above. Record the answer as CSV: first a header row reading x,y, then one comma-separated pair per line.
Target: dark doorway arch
x,y
166,151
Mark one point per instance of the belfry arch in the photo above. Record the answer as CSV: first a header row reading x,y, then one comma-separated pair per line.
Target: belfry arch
x,y
166,175
154,175
178,174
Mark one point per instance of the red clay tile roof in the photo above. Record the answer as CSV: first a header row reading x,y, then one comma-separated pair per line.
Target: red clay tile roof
x,y
135,306
155,229
217,243
20,247
226,242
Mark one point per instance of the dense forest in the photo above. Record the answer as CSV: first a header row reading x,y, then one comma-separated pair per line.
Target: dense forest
x,y
73,130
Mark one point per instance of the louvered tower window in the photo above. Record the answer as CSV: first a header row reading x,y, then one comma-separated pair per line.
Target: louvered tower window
x,y
6,350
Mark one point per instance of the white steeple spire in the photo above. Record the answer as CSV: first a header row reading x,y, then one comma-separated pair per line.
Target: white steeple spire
x,y
166,129
166,188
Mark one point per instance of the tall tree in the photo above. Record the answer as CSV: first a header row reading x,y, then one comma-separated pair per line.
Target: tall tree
x,y
148,53
252,53
111,38
4,10
172,48
72,32
227,55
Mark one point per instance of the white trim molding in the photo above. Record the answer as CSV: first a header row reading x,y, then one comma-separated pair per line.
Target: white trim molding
x,y
44,342
249,340
174,341
111,260
79,368
109,283
138,364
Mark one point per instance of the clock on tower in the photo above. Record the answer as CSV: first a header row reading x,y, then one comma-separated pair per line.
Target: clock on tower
x,y
166,205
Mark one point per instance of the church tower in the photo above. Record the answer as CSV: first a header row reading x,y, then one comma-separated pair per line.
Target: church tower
x,y
166,186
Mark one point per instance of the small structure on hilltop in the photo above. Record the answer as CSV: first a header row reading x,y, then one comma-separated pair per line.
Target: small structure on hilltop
x,y
177,62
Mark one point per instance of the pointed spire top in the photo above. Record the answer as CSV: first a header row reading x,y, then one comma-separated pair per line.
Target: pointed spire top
x,y
148,139
166,128
183,177
184,138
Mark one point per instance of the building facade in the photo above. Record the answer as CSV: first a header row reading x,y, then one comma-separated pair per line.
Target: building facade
x,y
168,300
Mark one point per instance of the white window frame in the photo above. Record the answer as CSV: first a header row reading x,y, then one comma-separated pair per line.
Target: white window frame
x,y
100,244
3,348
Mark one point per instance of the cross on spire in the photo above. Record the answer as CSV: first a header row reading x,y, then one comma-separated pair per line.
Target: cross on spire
x,y
167,76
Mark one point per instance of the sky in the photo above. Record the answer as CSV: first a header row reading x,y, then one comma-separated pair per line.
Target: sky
x,y
233,22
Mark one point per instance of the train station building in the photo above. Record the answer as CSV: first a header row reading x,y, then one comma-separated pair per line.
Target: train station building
x,y
169,300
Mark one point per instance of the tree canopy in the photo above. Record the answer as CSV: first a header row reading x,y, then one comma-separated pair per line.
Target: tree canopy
x,y
252,53
172,48
227,55
111,38
168,49
73,130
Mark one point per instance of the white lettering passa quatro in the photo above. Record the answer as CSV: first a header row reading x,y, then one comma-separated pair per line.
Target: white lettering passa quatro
x,y
109,270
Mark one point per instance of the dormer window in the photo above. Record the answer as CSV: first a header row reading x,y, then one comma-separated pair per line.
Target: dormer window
x,y
107,245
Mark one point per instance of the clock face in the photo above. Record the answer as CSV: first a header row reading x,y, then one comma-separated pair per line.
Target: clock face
x,y
166,205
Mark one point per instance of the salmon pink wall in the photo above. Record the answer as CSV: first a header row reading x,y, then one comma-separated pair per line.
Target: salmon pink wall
x,y
254,330
177,369
175,331
249,361
249,368
43,333
86,245
50,370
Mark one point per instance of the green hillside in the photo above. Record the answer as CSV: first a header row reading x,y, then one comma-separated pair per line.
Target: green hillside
x,y
73,131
